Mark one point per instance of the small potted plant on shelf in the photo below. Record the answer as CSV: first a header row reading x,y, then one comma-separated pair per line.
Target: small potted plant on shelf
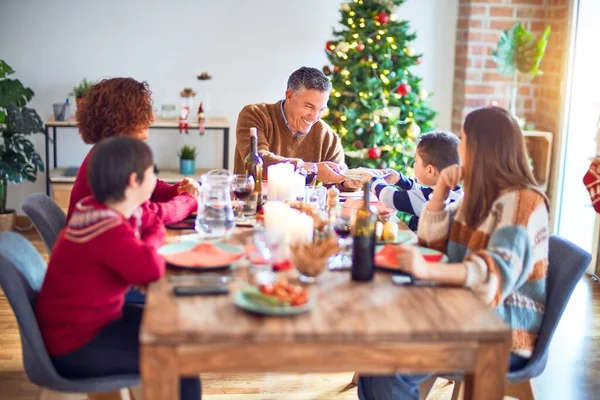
x,y
81,89
187,160
18,159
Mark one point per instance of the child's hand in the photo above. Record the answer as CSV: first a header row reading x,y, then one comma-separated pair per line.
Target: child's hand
x,y
411,261
392,176
188,185
451,176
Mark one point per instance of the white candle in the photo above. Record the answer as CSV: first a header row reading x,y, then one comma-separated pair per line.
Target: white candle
x,y
281,181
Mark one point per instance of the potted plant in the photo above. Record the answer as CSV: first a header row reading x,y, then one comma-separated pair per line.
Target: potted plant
x,y
81,89
18,158
519,52
187,160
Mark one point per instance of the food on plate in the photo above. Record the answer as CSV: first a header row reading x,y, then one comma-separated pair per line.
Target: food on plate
x,y
379,230
279,294
390,231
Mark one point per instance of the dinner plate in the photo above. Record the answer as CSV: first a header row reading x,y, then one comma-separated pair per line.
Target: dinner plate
x,y
386,257
403,236
200,256
358,173
243,299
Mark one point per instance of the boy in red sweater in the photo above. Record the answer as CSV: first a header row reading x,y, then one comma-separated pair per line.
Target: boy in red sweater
x,y
108,245
123,107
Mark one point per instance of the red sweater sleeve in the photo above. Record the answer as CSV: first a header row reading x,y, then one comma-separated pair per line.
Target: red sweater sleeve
x,y
153,230
133,259
174,210
163,191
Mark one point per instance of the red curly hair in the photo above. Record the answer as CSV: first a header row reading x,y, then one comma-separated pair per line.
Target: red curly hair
x,y
114,107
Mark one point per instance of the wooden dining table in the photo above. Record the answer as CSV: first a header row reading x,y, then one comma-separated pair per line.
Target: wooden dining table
x,y
373,328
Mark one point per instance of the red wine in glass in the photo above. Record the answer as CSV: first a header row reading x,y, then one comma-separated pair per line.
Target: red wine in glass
x,y
242,193
342,231
311,178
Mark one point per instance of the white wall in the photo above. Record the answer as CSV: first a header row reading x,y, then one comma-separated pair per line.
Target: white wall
x,y
249,46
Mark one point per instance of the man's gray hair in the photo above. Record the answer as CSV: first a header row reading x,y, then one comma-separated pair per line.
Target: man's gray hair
x,y
308,78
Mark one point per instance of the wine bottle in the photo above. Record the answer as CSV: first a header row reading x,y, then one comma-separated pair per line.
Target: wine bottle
x,y
253,165
363,237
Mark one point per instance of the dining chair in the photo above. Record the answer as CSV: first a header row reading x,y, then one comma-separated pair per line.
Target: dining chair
x,y
47,217
22,272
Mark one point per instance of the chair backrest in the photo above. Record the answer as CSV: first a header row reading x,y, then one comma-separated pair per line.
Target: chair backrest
x,y
566,265
22,272
46,215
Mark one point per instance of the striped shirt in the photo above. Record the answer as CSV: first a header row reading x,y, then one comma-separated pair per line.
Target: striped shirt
x,y
408,196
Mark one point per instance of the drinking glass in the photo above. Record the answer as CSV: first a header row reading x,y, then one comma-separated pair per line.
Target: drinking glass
x,y
342,226
309,170
243,189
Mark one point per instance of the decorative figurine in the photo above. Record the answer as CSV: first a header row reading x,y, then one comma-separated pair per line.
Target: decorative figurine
x,y
187,102
201,119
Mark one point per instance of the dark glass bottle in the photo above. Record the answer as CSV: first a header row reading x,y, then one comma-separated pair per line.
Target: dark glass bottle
x,y
363,237
253,165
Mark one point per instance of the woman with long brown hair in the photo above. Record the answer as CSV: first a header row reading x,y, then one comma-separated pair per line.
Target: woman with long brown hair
x,y
123,107
496,238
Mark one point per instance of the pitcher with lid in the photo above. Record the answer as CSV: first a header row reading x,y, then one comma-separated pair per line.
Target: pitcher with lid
x,y
215,211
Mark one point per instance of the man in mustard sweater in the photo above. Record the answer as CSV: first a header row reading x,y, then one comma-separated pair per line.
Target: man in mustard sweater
x,y
292,130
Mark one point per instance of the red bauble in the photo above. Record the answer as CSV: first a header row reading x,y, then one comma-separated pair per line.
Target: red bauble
x,y
382,17
419,61
330,46
403,89
336,69
374,153
360,46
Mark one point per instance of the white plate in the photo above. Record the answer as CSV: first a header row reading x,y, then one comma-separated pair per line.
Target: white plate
x,y
358,173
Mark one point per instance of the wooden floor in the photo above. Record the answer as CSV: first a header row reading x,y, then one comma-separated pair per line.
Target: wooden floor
x,y
573,370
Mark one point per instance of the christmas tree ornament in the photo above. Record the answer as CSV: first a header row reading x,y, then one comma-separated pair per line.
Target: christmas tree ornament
x,y
403,89
336,69
413,130
360,46
342,47
423,94
378,128
330,46
410,51
374,153
419,61
358,144
345,7
326,70
359,131
383,18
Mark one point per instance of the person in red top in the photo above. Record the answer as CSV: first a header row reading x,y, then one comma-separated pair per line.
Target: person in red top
x,y
108,245
123,107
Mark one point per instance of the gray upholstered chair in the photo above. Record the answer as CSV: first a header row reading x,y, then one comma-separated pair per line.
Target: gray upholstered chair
x,y
22,272
47,217
566,265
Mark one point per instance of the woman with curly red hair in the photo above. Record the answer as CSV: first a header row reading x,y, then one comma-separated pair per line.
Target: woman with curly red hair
x,y
123,107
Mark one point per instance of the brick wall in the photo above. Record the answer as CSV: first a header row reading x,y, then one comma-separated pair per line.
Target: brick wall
x,y
476,82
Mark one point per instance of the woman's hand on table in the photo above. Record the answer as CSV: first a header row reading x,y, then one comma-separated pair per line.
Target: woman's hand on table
x,y
411,261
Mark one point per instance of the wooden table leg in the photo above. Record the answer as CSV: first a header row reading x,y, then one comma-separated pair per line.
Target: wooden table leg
x,y
160,373
488,379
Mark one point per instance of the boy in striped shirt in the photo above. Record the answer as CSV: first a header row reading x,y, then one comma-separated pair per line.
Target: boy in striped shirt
x,y
436,150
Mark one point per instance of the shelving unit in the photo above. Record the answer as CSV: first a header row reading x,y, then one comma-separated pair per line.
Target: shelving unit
x,y
59,186
539,147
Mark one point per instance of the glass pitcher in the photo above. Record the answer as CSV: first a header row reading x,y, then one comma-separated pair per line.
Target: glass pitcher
x,y
215,211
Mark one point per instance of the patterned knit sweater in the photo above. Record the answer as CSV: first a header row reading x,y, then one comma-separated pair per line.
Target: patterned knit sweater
x,y
277,144
506,258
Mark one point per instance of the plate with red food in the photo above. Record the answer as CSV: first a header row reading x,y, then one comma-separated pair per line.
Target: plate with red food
x,y
203,256
386,257
279,299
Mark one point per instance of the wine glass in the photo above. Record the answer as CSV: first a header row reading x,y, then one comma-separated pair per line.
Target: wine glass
x,y
310,171
342,226
243,187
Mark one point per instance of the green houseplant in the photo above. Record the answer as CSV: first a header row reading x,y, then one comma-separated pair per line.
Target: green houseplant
x,y
18,159
518,53
81,89
187,160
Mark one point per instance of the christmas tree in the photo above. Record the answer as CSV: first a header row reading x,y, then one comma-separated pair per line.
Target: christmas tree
x,y
376,104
